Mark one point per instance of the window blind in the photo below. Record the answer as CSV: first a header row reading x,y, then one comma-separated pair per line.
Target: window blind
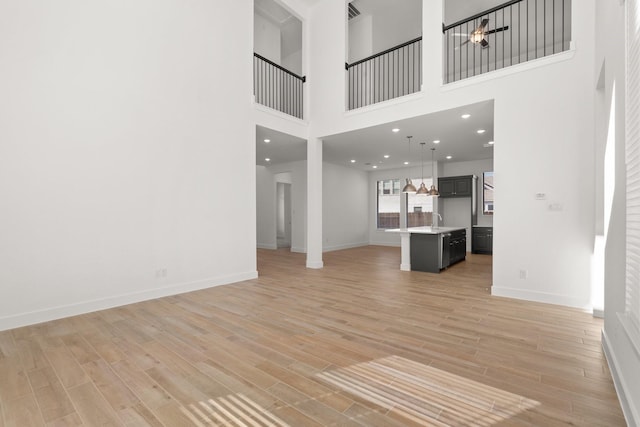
x,y
632,312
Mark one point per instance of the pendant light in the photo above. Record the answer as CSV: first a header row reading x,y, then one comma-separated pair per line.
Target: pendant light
x,y
409,187
433,191
423,188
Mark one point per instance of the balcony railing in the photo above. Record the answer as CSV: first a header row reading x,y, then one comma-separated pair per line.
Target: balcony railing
x,y
509,34
386,75
276,87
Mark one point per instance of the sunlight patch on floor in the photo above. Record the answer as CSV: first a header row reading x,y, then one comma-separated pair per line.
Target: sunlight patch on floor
x,y
233,410
424,394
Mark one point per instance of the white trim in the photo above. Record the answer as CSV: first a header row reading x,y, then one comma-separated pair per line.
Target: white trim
x,y
629,409
384,104
315,264
631,332
345,246
512,69
33,317
393,244
298,250
279,114
266,246
540,297
598,312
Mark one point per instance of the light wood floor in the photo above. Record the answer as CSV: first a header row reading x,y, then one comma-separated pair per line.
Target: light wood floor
x,y
356,343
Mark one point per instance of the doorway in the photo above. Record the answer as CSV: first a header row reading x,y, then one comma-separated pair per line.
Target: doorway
x,y
283,215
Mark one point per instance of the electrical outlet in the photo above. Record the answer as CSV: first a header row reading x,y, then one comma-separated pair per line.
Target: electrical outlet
x,y
523,274
541,196
161,273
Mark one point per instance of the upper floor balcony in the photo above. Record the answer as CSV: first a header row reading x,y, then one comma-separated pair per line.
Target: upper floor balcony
x,y
278,82
475,43
385,46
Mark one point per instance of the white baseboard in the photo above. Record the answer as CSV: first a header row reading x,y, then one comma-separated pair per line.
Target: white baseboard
x,y
33,317
598,312
298,250
267,246
628,407
347,246
315,264
539,297
393,244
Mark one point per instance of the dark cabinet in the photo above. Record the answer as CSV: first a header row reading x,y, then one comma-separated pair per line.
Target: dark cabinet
x,y
425,252
456,186
482,240
457,246
433,252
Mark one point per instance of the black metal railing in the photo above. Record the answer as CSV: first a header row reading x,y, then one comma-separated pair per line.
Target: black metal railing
x,y
514,32
276,87
386,75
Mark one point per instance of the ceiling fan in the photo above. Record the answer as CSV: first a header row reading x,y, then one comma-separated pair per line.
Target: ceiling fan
x,y
478,36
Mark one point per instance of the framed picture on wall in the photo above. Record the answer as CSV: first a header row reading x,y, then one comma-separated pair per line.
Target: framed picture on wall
x,y
487,193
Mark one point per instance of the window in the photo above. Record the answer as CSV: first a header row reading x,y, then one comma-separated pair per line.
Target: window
x,y
388,215
419,206
487,193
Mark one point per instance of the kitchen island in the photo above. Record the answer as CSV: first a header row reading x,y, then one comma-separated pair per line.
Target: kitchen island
x,y
430,249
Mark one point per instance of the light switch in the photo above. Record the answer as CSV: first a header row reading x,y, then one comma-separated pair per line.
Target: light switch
x,y
541,196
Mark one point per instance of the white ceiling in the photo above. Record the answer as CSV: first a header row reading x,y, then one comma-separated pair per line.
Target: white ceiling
x,y
458,138
456,10
283,148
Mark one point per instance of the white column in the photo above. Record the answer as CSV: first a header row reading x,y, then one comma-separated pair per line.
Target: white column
x,y
432,53
405,251
314,203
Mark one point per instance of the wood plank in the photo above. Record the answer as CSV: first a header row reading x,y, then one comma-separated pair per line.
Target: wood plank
x,y
71,420
22,412
142,385
13,379
66,367
50,394
267,345
92,407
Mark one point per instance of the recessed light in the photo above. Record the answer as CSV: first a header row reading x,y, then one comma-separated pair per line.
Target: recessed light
x,y
491,142
267,159
481,131
386,156
395,130
465,116
406,163
353,161
375,167
449,157
267,141
436,141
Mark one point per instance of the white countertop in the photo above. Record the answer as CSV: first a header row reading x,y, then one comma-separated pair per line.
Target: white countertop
x,y
424,230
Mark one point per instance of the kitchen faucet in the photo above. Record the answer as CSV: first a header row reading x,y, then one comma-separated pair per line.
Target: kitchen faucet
x,y
435,223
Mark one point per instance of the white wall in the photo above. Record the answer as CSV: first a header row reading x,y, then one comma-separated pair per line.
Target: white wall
x,y
345,208
610,57
265,208
345,203
113,120
393,25
360,37
291,45
267,38
383,25
530,131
